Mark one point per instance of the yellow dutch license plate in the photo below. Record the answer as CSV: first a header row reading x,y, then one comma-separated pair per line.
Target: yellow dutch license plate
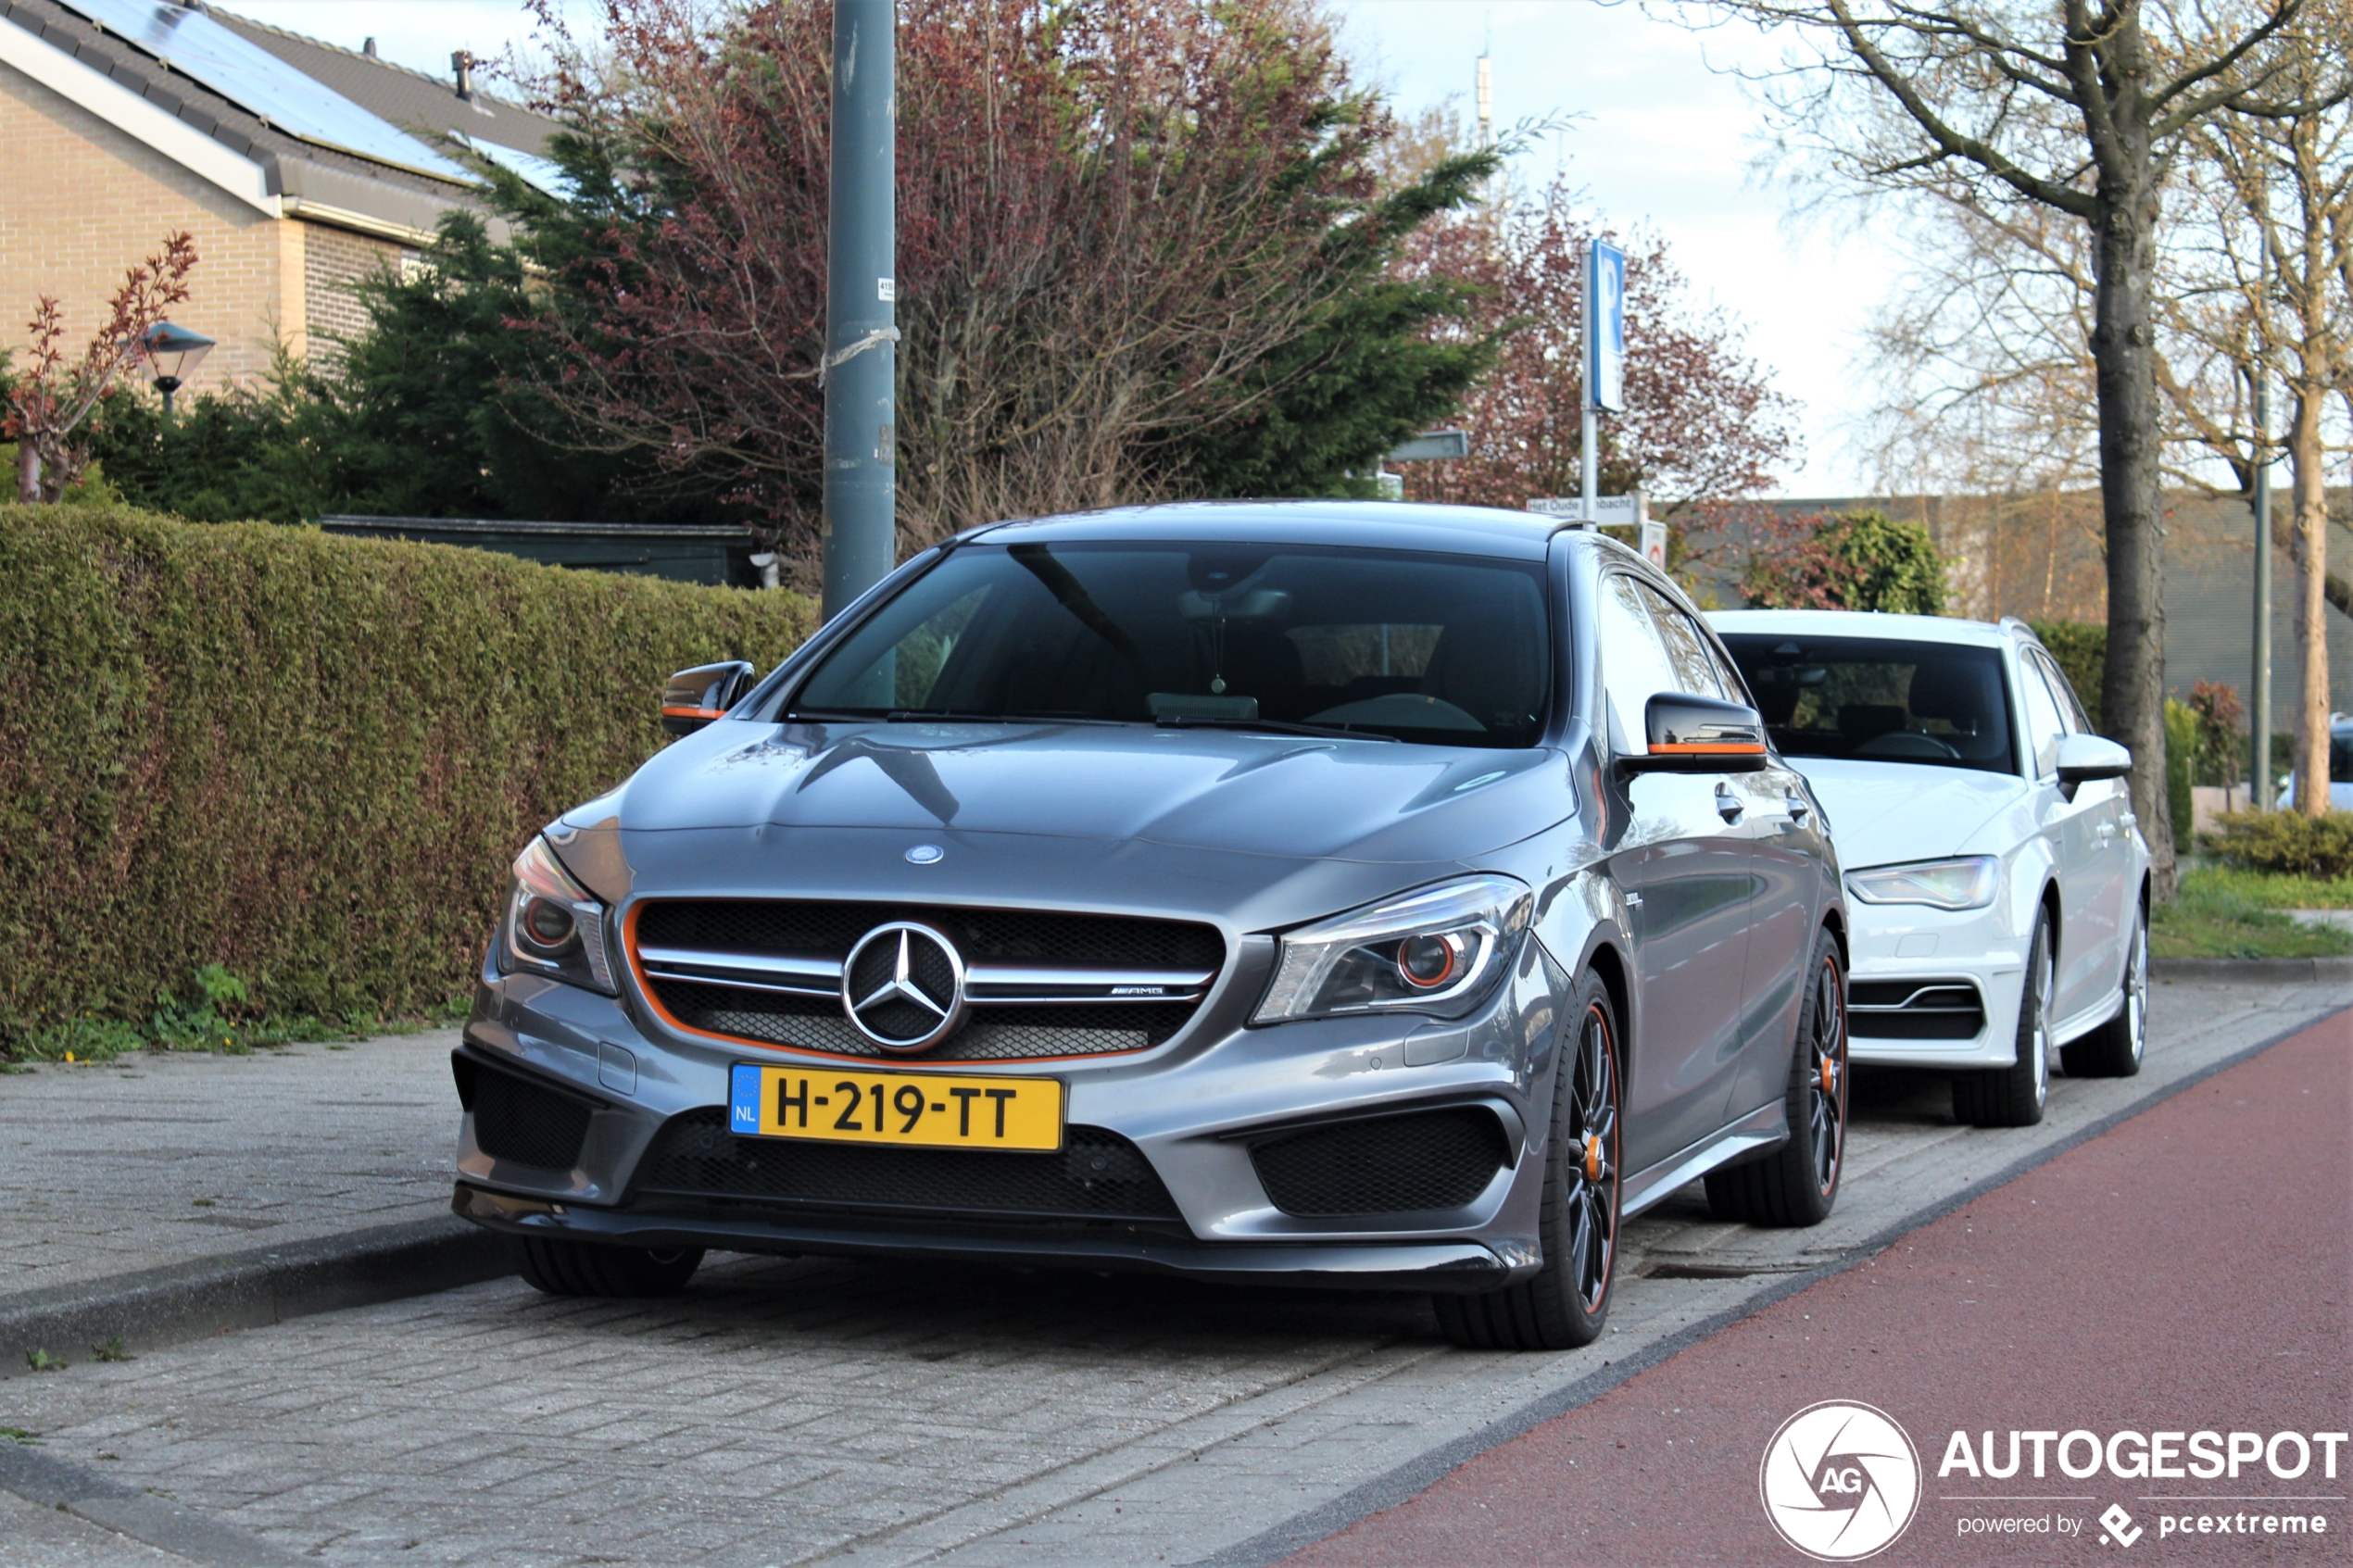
x,y
922,1110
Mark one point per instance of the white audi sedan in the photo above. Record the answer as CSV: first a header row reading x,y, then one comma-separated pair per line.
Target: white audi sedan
x,y
1998,885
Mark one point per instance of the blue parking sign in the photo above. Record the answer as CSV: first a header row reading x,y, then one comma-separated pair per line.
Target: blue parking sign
x,y
1605,326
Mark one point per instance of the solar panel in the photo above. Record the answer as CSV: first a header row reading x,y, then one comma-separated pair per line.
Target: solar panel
x,y
546,174
261,84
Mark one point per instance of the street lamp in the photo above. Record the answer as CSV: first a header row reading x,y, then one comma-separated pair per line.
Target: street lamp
x,y
172,354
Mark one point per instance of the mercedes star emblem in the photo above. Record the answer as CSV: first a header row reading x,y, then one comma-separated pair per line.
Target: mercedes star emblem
x,y
925,855
903,986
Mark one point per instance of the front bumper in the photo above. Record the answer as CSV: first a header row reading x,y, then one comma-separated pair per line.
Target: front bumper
x,y
1424,1265
1909,947
1193,1108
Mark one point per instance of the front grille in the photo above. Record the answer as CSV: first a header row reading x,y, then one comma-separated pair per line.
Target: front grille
x,y
1914,1009
983,935
1098,1175
1012,1031
1423,1160
517,1120
991,1033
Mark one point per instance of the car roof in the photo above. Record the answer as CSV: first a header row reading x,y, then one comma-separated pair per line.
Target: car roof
x,y
1399,525
1858,623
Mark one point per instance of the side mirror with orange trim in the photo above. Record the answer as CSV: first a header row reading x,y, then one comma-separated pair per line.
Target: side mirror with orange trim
x,y
1699,735
694,697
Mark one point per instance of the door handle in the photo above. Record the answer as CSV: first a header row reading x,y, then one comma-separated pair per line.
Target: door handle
x,y
1797,807
1728,806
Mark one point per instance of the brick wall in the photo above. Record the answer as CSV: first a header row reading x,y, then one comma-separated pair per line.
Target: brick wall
x,y
333,260
81,202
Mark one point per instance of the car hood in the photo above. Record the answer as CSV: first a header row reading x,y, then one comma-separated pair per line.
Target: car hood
x,y
1885,813
1296,797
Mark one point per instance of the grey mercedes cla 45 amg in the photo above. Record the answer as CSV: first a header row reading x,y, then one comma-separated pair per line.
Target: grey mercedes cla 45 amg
x,y
1371,895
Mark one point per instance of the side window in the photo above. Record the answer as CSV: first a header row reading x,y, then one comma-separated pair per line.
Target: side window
x,y
2070,706
1687,648
1636,665
2043,726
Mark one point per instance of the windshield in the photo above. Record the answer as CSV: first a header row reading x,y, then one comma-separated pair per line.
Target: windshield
x,y
1882,702
1445,650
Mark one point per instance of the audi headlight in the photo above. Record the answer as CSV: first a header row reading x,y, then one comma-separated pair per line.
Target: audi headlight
x,y
1435,950
553,926
1968,883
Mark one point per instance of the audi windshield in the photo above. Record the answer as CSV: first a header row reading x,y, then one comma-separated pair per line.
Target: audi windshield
x,y
1442,650
1880,699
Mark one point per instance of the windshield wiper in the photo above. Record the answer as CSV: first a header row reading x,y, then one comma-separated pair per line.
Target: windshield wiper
x,y
1276,726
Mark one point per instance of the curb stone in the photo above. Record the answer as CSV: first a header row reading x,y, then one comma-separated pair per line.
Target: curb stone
x,y
2254,972
181,1301
166,1525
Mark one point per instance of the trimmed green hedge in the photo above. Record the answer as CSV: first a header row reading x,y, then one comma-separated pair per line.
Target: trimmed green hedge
x,y
306,760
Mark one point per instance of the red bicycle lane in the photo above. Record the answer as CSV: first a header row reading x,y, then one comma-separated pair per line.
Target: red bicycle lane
x,y
2185,1270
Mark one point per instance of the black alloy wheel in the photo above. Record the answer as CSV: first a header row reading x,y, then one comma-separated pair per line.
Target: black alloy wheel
x,y
1566,1303
1797,1183
1592,1169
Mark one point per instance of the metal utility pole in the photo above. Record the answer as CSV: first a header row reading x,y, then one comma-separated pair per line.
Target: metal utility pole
x,y
859,370
2259,707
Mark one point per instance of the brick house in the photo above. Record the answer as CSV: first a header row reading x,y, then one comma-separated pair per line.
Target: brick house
x,y
297,166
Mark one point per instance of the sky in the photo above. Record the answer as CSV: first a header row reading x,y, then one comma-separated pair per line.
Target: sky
x,y
1663,135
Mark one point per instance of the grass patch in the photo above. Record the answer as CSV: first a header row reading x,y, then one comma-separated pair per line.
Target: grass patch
x,y
2274,890
214,1014
2219,915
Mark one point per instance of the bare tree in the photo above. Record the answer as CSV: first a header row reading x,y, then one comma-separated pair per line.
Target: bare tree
x,y
2279,190
2073,107
1985,353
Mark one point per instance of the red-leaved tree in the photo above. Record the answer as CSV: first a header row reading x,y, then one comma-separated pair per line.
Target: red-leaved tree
x,y
1110,217
1701,426
49,401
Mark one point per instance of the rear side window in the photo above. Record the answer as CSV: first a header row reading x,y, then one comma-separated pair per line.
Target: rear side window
x,y
1882,699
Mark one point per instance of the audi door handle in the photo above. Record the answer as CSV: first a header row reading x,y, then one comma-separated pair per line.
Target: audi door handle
x,y
1726,806
1797,808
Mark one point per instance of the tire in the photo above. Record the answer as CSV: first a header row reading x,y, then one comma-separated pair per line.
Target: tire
x,y
1566,1303
2015,1096
589,1268
1797,1184
2115,1048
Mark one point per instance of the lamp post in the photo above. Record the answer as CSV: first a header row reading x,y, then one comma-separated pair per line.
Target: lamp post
x,y
859,370
172,355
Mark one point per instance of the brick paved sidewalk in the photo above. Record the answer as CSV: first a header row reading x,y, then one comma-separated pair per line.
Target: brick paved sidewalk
x,y
161,1157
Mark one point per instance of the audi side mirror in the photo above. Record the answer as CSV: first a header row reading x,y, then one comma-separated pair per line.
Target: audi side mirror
x,y
1699,735
2085,757
694,697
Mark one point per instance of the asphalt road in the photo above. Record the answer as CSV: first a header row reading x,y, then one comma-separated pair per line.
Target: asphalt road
x,y
2188,1269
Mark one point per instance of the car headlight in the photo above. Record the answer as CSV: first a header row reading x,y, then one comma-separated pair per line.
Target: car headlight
x,y
1435,950
1968,883
553,926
